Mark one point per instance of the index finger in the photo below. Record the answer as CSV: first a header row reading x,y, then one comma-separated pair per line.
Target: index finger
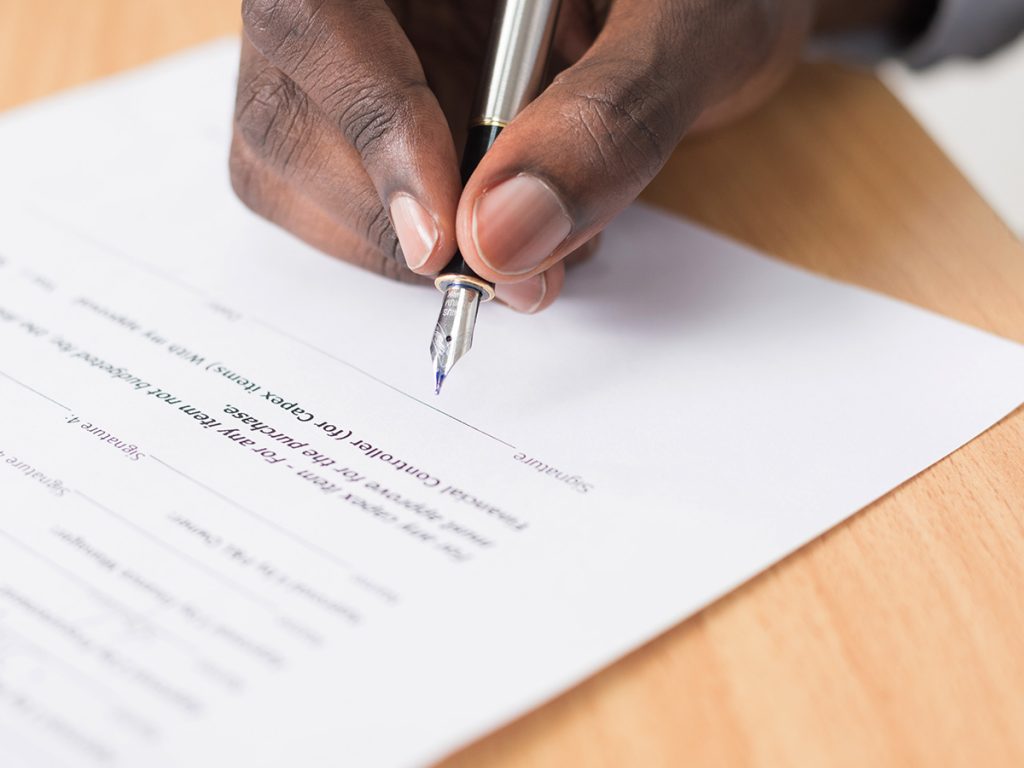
x,y
353,60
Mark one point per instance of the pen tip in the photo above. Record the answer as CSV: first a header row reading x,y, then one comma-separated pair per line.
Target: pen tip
x,y
439,381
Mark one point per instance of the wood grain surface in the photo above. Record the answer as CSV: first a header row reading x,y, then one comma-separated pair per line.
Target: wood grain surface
x,y
895,640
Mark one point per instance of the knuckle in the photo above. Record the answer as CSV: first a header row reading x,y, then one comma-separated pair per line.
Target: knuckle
x,y
262,20
273,116
624,119
370,110
371,121
270,23
367,102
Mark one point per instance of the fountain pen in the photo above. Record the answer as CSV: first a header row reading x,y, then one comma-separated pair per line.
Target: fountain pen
x,y
513,76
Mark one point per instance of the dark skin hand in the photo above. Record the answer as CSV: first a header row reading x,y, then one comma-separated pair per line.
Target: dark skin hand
x,y
349,113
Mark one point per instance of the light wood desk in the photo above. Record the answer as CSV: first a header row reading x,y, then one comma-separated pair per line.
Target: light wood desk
x,y
898,638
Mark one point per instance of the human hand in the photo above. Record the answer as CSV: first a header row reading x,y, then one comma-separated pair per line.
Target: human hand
x,y
347,109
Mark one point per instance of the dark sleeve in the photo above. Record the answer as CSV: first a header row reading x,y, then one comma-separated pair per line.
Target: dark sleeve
x,y
955,28
966,28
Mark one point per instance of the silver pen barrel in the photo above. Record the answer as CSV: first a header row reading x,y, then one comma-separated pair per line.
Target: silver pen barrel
x,y
516,60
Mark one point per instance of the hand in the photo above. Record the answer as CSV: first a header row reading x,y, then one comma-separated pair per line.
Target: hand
x,y
347,109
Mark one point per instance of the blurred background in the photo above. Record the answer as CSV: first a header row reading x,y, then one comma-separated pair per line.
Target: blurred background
x,y
974,110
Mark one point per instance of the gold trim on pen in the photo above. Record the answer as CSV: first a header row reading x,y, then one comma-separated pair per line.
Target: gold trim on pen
x,y
491,122
444,282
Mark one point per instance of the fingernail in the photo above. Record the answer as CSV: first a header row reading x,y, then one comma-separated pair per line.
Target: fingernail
x,y
416,230
518,224
525,296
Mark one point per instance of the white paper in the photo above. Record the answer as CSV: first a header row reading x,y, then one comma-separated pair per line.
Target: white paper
x,y
172,595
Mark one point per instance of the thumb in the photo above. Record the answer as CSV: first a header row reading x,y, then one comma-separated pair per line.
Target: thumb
x,y
585,149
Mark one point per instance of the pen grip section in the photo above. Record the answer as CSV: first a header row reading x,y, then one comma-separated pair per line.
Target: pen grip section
x,y
480,139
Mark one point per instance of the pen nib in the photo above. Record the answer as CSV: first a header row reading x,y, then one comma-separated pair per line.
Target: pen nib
x,y
453,334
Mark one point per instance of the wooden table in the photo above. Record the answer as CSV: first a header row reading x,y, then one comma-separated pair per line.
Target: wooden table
x,y
896,639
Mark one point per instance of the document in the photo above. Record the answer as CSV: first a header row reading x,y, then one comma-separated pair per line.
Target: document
x,y
237,528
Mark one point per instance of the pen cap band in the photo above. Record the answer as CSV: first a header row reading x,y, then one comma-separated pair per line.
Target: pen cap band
x,y
514,74
446,281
